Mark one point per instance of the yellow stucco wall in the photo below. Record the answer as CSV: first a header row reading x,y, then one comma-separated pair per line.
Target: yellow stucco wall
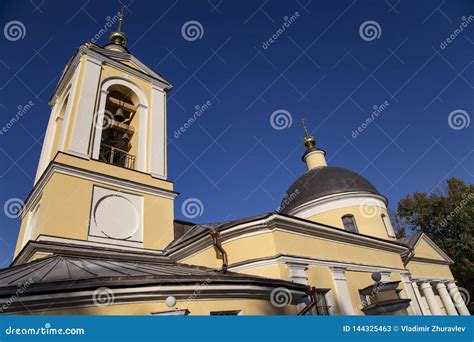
x,y
368,219
424,250
279,242
429,271
66,204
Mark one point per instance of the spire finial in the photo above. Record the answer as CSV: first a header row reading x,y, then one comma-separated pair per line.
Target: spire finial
x,y
121,19
305,127
118,37
309,140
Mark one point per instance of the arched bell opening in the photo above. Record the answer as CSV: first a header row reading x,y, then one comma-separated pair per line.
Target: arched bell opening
x,y
118,142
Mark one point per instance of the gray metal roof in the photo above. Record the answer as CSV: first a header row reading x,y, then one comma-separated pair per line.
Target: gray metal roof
x,y
324,181
59,273
411,240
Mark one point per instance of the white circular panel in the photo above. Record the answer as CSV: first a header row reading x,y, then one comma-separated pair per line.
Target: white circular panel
x,y
116,217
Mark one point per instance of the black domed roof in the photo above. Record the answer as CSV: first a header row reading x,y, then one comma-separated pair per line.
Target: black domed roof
x,y
324,181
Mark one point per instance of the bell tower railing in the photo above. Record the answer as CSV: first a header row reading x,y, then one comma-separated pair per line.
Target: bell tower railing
x,y
116,156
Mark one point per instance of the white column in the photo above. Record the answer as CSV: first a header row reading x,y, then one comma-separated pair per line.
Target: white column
x,y
407,284
343,297
298,275
84,117
430,298
457,299
47,142
424,311
142,137
385,277
157,132
331,301
99,123
72,94
446,298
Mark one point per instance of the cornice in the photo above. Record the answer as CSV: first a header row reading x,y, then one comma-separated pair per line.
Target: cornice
x,y
55,167
146,293
308,261
331,198
100,59
274,222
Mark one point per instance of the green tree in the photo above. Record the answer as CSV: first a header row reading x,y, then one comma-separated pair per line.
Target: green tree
x,y
447,217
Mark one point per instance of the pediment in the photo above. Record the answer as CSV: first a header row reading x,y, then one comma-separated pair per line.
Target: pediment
x,y
425,248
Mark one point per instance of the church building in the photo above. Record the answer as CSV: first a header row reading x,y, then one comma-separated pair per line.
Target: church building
x,y
99,235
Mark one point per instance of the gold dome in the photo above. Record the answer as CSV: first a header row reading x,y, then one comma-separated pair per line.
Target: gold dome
x,y
118,38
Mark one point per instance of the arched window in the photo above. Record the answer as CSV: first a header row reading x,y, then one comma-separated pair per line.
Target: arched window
x,y
349,223
388,225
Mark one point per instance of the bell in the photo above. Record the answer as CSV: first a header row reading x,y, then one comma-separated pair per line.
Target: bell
x,y
126,138
119,116
125,141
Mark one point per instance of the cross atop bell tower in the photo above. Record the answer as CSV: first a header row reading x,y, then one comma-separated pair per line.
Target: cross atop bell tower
x,y
118,37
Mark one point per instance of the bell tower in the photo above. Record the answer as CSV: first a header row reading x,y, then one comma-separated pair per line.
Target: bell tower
x,y
102,174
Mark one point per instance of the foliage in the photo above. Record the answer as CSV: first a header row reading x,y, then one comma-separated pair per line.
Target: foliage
x,y
447,217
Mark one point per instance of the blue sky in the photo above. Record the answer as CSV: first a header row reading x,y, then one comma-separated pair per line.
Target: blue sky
x,y
321,68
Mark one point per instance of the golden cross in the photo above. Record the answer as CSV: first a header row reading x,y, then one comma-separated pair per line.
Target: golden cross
x,y
121,19
303,123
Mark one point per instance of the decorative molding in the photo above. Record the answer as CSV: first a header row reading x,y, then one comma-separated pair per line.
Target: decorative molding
x,y
294,259
434,246
93,176
117,217
338,273
82,248
337,201
149,75
429,261
429,279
